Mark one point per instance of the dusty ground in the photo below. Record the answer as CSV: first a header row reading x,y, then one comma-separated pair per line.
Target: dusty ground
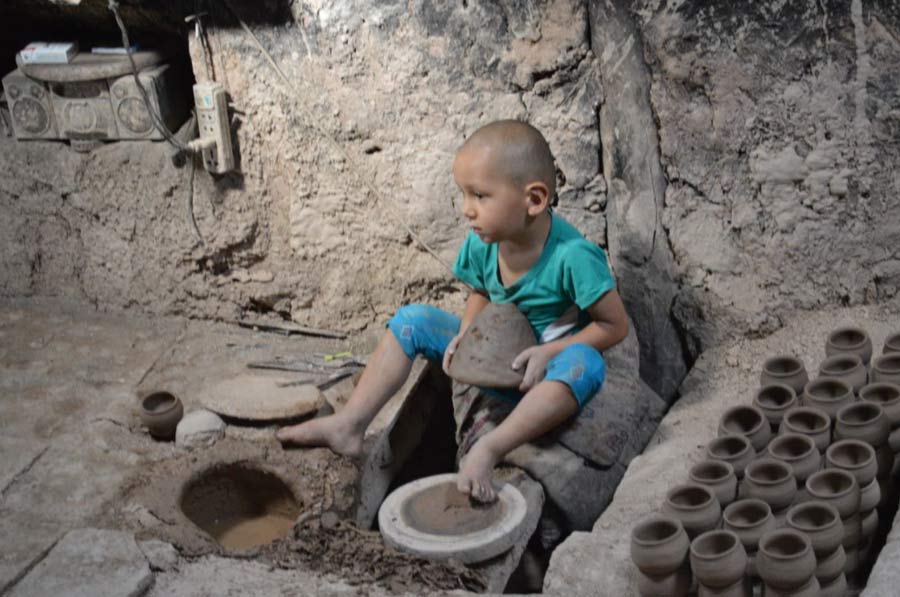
x,y
74,454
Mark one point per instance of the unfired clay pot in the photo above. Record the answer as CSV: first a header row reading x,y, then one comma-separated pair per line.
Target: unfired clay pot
x,y
892,343
810,589
809,421
718,559
835,588
852,531
742,588
846,367
836,487
864,421
869,496
855,457
852,559
161,411
849,340
771,481
884,460
774,400
797,450
828,394
821,523
748,421
676,584
718,476
784,369
659,545
830,565
785,559
749,519
894,440
486,350
695,506
733,449
869,524
887,395
886,368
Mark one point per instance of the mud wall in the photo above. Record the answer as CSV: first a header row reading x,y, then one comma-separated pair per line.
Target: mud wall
x,y
774,127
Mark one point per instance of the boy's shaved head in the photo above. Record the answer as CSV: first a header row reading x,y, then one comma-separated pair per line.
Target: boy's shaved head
x,y
517,150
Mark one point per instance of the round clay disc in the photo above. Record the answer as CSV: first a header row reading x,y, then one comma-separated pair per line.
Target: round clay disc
x,y
431,519
257,398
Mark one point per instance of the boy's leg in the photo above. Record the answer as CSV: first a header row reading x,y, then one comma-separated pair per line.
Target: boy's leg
x,y
415,329
544,407
573,377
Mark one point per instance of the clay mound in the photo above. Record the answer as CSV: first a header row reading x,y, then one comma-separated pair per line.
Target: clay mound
x,y
257,398
486,351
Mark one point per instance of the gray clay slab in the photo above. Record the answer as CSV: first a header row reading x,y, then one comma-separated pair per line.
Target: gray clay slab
x,y
258,398
89,563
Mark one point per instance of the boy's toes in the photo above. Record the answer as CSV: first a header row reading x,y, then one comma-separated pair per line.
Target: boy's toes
x,y
464,485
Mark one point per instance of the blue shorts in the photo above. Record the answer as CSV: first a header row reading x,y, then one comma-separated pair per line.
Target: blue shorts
x,y
426,330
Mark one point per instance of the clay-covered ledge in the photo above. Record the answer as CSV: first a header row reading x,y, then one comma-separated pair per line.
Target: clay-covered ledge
x,y
723,376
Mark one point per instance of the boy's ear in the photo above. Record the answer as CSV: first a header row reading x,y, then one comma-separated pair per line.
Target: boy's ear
x,y
538,196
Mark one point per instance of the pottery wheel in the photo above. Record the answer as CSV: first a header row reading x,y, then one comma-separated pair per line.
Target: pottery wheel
x,y
90,67
257,398
431,519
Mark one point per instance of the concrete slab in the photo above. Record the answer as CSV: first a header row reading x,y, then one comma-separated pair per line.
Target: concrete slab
x,y
89,563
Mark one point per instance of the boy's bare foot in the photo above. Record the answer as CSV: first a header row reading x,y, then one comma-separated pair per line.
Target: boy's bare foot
x,y
331,432
476,474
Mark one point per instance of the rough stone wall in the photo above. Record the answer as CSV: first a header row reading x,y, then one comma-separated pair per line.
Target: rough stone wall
x,y
777,132
778,126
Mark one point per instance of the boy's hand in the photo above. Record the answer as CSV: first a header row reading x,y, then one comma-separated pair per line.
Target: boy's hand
x,y
448,354
535,360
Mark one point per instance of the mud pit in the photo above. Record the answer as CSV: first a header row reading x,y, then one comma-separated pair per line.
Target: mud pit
x,y
289,509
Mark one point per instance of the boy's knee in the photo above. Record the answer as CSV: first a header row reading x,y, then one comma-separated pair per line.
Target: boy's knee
x,y
423,329
582,368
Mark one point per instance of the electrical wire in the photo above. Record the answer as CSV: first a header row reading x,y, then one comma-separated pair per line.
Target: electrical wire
x,y
155,118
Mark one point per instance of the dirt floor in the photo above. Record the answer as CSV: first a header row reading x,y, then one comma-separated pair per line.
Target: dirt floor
x,y
74,453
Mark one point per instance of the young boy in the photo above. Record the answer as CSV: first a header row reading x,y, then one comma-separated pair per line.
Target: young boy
x,y
517,251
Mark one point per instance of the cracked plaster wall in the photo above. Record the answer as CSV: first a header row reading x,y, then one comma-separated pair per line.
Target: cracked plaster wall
x,y
777,123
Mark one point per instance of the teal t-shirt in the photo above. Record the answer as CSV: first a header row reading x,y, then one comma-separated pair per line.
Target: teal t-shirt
x,y
570,275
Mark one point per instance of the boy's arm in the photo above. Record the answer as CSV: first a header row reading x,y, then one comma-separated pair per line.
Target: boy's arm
x,y
474,304
608,327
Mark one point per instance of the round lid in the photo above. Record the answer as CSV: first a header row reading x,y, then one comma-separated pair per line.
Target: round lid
x,y
89,67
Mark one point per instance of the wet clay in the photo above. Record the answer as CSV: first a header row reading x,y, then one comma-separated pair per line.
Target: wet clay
x,y
443,510
239,506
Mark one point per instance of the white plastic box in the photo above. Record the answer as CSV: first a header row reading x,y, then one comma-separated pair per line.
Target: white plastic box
x,y
42,52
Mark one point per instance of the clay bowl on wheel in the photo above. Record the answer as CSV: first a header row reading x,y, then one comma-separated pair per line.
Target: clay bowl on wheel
x,y
486,350
161,411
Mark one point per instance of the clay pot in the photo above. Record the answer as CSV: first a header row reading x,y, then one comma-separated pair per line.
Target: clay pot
x,y
741,588
849,340
809,421
749,519
659,545
718,476
869,524
718,559
736,450
869,496
835,588
892,343
771,481
784,369
864,421
486,350
828,394
853,531
748,421
836,487
797,450
774,400
695,506
830,565
821,523
809,589
160,412
886,368
785,559
846,367
854,456
675,584
894,440
887,395
852,562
